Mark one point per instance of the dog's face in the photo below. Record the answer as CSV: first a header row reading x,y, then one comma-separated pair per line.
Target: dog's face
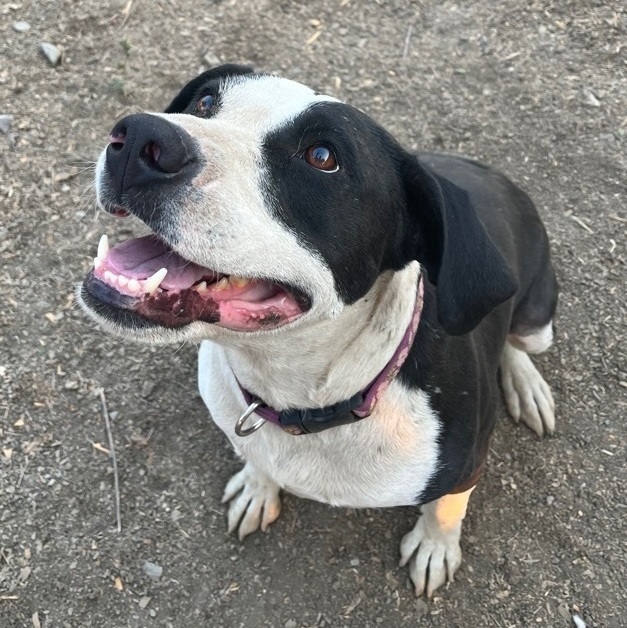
x,y
271,206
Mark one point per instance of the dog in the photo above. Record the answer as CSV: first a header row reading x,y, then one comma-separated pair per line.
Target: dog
x,y
355,303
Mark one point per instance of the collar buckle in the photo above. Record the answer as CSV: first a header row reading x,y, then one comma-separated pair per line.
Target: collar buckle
x,y
318,419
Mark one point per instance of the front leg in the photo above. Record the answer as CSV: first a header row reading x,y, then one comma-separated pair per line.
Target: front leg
x,y
255,501
433,544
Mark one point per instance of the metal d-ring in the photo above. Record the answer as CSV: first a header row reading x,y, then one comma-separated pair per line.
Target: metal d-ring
x,y
239,426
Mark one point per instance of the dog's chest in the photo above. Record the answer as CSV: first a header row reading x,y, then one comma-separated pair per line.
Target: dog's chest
x,y
384,460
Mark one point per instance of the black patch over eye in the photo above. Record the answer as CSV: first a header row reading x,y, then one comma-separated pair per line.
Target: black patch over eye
x,y
321,157
205,105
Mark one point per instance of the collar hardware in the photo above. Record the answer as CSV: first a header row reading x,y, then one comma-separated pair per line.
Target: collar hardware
x,y
240,430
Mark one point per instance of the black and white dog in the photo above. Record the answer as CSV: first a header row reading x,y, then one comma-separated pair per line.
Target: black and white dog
x,y
354,301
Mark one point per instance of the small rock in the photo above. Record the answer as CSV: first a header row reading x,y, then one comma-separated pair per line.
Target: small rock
x,y
211,59
579,623
591,99
354,562
549,500
290,623
144,602
5,122
21,27
147,389
422,608
152,570
51,52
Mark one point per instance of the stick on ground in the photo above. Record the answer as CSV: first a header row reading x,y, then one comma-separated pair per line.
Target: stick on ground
x,y
114,462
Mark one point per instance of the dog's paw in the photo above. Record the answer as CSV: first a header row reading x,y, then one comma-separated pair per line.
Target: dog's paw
x,y
434,555
255,501
527,395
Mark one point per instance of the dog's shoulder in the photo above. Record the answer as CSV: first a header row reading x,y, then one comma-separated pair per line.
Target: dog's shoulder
x,y
457,374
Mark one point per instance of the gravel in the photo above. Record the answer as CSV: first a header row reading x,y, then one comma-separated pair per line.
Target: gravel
x,y
509,83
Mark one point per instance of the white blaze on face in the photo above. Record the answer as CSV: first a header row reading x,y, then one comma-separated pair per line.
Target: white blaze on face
x,y
227,220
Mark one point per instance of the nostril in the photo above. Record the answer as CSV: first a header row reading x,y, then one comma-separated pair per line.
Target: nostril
x,y
152,152
116,138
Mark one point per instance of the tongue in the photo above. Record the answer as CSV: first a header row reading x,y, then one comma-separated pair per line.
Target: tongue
x,y
140,258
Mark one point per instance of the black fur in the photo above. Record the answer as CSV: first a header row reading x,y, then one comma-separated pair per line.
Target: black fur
x,y
477,235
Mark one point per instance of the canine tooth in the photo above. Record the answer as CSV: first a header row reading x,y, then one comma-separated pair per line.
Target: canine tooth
x,y
202,286
239,282
97,263
103,247
133,285
223,284
152,283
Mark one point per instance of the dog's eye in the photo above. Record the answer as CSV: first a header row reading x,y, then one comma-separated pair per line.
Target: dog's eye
x,y
205,105
321,157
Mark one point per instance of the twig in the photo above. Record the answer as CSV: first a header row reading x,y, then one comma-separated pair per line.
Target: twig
x,y
407,40
582,224
126,11
114,462
22,472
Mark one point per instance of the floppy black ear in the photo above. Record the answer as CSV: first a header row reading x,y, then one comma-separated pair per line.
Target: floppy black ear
x,y
185,96
470,274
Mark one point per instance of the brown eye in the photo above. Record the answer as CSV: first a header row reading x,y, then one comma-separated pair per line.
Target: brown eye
x,y
321,157
205,105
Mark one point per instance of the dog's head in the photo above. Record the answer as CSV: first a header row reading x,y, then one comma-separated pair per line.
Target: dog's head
x,y
272,205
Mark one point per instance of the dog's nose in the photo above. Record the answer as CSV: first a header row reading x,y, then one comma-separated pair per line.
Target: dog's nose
x,y
145,150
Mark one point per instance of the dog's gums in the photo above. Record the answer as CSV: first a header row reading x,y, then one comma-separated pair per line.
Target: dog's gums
x,y
146,277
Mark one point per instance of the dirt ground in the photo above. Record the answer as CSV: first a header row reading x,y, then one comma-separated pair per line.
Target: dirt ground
x,y
536,88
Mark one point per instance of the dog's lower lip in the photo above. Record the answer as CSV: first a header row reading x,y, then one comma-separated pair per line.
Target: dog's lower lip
x,y
125,277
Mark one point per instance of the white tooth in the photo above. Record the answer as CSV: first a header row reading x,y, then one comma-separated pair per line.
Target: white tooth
x,y
239,282
152,283
109,277
133,285
123,281
97,263
222,284
202,286
103,247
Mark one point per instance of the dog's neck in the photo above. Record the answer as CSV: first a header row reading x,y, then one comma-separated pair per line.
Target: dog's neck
x,y
331,360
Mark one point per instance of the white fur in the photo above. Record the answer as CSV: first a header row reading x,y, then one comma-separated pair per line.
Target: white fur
x,y
536,342
384,460
226,221
433,545
527,395
254,501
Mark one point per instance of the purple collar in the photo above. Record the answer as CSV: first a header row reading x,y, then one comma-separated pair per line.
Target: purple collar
x,y
354,409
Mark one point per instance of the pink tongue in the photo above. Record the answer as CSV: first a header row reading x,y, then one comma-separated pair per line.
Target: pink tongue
x,y
140,258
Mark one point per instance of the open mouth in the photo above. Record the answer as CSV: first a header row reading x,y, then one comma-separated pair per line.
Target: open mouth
x,y
146,278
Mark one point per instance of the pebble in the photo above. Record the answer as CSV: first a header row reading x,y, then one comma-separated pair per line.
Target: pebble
x,y
591,99
290,623
5,122
21,27
147,388
211,59
152,570
51,52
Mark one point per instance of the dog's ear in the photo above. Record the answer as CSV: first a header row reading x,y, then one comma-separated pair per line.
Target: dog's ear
x,y
470,274
185,96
